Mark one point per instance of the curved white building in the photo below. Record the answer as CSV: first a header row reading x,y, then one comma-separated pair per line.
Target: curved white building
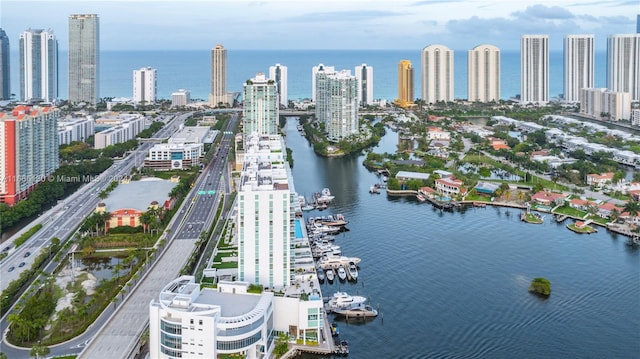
x,y
437,74
484,74
189,322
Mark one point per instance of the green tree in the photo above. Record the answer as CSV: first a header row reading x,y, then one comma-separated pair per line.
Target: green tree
x,y
282,345
39,351
633,208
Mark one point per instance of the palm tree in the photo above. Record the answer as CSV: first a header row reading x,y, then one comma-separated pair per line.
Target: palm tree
x,y
633,208
39,350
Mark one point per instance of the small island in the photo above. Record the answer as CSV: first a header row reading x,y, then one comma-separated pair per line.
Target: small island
x,y
581,227
540,286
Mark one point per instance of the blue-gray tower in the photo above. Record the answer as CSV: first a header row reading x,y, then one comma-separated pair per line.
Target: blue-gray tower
x,y
5,80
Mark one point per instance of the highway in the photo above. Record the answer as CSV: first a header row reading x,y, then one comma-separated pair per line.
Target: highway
x,y
61,221
119,336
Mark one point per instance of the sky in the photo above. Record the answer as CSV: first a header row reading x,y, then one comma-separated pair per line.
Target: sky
x,y
327,24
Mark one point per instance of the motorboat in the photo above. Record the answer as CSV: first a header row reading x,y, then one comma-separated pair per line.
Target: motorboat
x,y
342,273
359,311
324,196
337,261
342,300
421,197
333,221
320,274
353,271
330,274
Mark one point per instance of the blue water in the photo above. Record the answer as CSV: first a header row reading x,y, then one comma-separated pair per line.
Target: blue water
x,y
192,70
454,284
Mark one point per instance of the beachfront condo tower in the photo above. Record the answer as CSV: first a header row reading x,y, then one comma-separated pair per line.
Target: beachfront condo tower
x,y
405,84
484,74
260,110
337,103
623,64
534,69
84,58
5,71
218,94
437,74
278,73
364,75
578,65
144,85
38,65
314,71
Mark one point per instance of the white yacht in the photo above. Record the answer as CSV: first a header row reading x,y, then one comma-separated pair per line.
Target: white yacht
x,y
353,270
342,273
359,311
342,300
337,261
330,274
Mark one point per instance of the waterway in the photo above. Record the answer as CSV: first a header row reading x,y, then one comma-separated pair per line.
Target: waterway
x,y
454,284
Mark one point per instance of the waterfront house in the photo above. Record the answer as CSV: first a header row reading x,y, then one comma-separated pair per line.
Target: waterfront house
x,y
580,204
449,186
407,175
605,209
486,187
595,179
547,198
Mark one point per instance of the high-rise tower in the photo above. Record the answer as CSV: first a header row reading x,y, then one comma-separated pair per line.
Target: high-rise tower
x,y
364,75
38,65
405,84
337,103
578,65
623,64
261,108
218,76
314,72
5,71
84,58
437,74
144,85
484,74
534,69
278,73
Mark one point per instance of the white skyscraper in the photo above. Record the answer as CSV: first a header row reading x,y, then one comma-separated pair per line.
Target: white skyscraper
x,y
264,214
278,73
84,58
437,74
534,69
38,65
260,109
623,64
364,75
578,65
484,74
144,85
314,71
337,103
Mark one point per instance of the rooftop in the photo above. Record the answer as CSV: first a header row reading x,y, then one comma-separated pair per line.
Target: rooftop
x,y
190,134
139,194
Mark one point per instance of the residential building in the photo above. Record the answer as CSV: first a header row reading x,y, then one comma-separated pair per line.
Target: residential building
x,y
144,85
364,75
449,186
623,64
603,104
437,74
337,103
483,68
436,133
599,179
125,130
187,321
261,109
84,58
314,72
29,143
76,129
180,98
405,85
5,68
534,69
265,217
635,117
578,65
38,65
278,73
174,156
218,76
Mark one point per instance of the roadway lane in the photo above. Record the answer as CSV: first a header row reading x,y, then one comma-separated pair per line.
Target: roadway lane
x,y
117,339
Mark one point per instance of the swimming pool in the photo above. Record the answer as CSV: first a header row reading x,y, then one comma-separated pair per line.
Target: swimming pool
x,y
298,228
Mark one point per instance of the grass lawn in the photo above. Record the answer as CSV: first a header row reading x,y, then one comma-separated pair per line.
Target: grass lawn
x,y
225,265
585,229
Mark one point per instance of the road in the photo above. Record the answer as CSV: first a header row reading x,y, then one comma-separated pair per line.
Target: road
x,y
118,338
61,221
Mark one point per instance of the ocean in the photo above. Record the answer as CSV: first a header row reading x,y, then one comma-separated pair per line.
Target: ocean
x,y
192,70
